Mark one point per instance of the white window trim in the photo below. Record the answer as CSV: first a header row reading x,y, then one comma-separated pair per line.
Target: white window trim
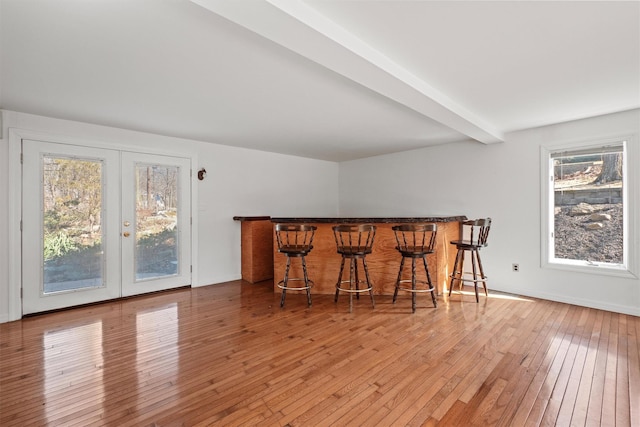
x,y
631,201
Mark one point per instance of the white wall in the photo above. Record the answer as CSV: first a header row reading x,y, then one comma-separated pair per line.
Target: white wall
x,y
501,181
239,182
244,182
4,226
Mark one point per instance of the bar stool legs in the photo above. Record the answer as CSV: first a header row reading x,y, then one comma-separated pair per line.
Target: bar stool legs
x,y
369,285
476,267
354,281
284,284
414,290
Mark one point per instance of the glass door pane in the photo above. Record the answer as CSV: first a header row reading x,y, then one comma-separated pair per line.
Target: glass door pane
x,y
157,244
156,222
70,225
73,255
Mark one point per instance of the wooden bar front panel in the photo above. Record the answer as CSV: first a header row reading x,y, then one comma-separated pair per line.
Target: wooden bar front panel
x,y
324,262
257,252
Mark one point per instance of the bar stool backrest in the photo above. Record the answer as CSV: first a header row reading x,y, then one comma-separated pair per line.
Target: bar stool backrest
x,y
415,238
354,239
295,237
478,230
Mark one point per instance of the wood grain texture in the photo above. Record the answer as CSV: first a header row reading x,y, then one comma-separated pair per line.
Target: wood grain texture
x,y
384,262
256,250
227,355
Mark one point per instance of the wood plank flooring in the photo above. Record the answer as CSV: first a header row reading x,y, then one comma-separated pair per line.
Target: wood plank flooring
x,y
228,355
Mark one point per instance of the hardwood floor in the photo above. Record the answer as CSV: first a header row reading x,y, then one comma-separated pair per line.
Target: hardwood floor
x,y
228,355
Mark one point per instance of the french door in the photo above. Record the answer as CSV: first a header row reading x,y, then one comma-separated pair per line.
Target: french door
x,y
98,224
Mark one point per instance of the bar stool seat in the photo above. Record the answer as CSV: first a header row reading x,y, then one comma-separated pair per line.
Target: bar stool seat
x,y
354,242
415,241
478,232
295,241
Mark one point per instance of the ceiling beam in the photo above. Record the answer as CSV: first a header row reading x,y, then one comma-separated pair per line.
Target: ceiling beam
x,y
298,27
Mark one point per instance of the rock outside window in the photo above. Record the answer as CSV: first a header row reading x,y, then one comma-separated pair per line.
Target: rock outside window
x,y
585,206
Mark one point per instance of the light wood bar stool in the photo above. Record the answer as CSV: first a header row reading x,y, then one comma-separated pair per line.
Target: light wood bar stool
x,y
354,242
415,241
478,232
295,241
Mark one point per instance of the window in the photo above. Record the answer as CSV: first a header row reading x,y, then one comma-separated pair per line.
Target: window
x,y
586,223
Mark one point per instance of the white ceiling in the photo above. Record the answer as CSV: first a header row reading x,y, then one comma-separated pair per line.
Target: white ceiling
x,y
332,80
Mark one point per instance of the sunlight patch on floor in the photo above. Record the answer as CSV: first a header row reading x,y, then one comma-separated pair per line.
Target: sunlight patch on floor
x,y
494,295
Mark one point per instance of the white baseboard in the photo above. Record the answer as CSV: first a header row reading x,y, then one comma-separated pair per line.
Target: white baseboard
x,y
219,279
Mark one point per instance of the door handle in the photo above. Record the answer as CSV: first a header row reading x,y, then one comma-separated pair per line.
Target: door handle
x,y
126,234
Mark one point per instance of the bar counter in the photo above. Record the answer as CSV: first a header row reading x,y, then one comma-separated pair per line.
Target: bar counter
x,y
323,262
256,248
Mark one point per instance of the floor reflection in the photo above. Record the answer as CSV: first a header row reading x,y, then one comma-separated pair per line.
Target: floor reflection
x,y
157,340
72,359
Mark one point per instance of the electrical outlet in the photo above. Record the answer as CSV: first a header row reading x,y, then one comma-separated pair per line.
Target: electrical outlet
x,y
515,267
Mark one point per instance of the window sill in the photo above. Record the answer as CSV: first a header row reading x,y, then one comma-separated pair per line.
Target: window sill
x,y
595,268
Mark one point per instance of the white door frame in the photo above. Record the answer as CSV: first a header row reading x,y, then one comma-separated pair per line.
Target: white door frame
x,y
16,136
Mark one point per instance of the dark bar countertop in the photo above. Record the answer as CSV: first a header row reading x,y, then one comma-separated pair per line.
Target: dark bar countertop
x,y
373,220
251,218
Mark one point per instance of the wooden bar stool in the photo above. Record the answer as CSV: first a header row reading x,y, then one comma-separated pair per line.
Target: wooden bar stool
x,y
415,241
354,242
295,241
478,232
